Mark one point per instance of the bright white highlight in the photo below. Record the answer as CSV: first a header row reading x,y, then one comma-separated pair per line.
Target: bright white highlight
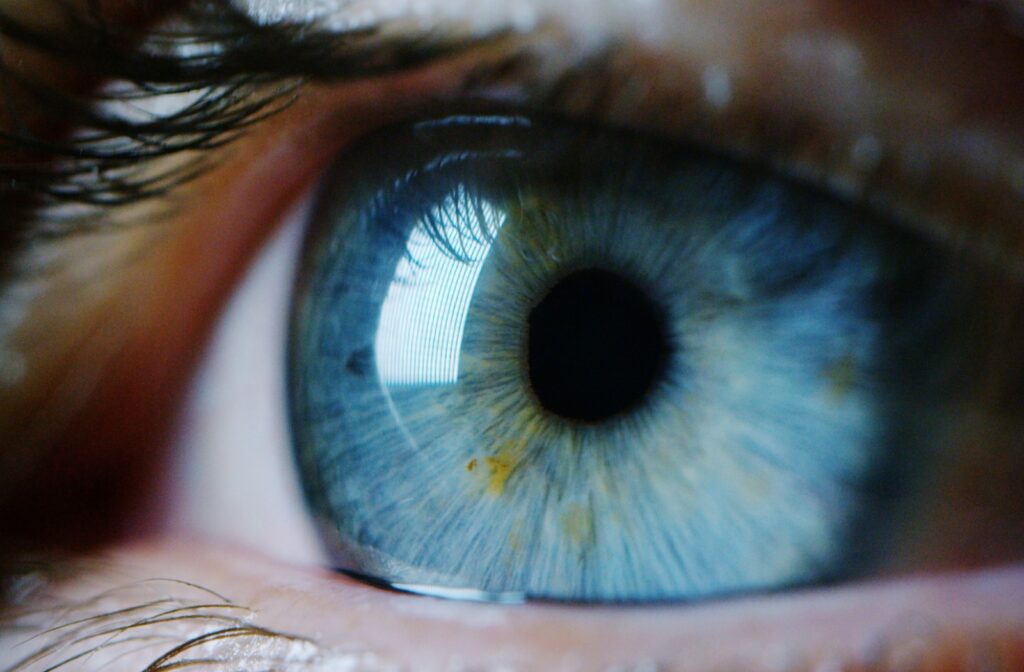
x,y
419,338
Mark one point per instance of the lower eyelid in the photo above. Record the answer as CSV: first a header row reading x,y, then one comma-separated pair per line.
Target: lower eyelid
x,y
944,623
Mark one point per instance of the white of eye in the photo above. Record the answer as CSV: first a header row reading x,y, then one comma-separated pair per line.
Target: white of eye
x,y
234,479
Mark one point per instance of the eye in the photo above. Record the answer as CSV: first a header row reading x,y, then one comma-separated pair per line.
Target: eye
x,y
539,358
836,348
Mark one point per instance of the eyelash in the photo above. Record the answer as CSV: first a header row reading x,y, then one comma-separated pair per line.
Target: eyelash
x,y
233,72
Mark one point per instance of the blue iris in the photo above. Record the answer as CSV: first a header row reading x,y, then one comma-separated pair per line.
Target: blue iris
x,y
576,364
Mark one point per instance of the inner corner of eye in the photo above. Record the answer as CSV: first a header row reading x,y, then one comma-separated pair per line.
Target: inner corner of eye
x,y
539,359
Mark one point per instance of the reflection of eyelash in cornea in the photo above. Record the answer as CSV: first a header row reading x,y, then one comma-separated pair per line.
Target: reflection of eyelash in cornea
x,y
213,70
460,225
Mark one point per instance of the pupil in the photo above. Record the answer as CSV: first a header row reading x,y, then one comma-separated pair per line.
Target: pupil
x,y
597,343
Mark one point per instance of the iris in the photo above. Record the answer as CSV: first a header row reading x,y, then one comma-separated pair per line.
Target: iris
x,y
529,357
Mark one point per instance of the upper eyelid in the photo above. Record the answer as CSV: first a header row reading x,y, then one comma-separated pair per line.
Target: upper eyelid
x,y
244,82
938,149
162,101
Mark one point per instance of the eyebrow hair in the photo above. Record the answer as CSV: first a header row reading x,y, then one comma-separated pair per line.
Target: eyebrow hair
x,y
160,99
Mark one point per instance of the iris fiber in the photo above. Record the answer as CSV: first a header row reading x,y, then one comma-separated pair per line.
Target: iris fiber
x,y
579,365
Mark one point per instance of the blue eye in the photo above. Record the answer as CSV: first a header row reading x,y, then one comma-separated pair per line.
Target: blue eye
x,y
533,358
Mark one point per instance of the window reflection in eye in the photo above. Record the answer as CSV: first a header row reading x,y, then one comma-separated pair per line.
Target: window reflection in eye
x,y
841,430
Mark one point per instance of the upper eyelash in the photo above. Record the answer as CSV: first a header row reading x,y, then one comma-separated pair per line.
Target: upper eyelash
x,y
234,71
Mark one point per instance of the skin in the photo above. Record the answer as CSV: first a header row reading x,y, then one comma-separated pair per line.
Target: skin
x,y
926,109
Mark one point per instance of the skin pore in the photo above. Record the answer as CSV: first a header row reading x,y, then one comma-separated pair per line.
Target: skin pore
x,y
916,110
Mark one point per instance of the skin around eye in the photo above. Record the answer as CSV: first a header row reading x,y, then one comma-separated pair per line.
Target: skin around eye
x,y
129,409
332,622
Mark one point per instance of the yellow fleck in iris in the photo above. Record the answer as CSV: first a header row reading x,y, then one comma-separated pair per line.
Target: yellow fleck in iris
x,y
506,460
500,468
471,465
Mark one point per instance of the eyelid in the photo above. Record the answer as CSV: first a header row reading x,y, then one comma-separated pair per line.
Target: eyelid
x,y
881,626
868,103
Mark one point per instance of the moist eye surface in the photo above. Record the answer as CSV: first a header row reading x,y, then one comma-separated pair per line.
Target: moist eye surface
x,y
531,357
